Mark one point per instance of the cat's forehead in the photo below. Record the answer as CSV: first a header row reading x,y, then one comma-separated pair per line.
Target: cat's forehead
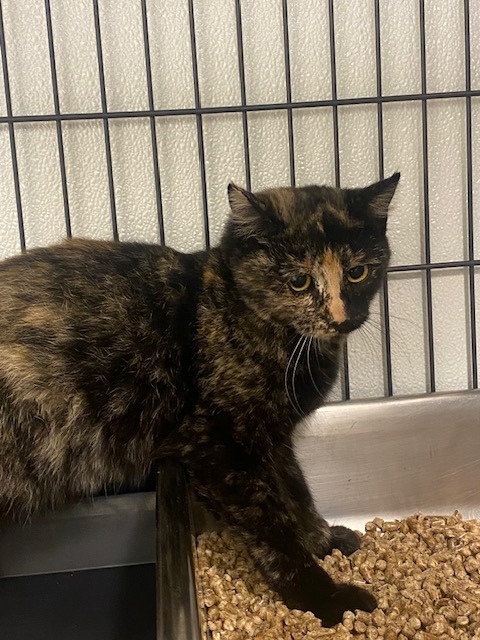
x,y
317,259
311,207
319,228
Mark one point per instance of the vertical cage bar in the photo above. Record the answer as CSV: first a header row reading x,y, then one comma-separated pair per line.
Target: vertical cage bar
x,y
153,130
11,131
288,90
426,202
333,74
336,146
387,342
470,222
106,129
243,93
56,105
201,147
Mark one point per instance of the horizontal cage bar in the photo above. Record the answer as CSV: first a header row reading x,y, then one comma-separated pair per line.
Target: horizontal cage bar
x,y
273,106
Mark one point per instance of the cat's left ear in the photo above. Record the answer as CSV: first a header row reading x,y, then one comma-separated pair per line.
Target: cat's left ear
x,y
371,203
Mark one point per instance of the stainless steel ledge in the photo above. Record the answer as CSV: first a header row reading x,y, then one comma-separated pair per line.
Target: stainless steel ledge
x,y
394,457
106,532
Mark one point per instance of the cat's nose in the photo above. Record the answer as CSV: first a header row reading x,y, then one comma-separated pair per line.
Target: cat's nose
x,y
350,324
344,327
341,327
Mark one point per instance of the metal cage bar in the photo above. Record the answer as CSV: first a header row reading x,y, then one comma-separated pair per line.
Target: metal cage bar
x,y
106,128
240,108
288,91
153,129
454,264
11,131
336,149
470,222
426,203
56,105
387,342
201,146
335,102
243,93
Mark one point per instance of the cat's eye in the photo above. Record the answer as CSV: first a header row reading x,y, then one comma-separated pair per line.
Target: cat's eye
x,y
301,282
357,274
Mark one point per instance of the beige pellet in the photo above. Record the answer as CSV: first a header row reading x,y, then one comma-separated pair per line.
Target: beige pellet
x,y
423,570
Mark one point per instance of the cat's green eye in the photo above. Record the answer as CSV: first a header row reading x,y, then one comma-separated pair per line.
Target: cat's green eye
x,y
301,282
357,274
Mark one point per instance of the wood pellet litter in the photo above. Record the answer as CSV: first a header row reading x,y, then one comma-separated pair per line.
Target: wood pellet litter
x,y
424,572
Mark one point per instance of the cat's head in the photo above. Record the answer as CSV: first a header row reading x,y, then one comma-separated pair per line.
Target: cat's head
x,y
311,257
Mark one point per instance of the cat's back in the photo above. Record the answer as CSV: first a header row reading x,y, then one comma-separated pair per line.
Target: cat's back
x,y
82,263
88,277
95,315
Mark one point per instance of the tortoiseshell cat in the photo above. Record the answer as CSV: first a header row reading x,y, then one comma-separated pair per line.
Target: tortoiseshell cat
x,y
114,355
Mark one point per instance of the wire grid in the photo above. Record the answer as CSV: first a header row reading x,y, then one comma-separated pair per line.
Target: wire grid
x,y
426,267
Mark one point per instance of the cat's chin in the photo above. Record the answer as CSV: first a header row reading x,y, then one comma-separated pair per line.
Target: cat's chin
x,y
324,335
329,337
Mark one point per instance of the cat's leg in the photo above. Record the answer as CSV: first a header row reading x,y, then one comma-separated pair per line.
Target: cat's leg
x,y
246,490
319,536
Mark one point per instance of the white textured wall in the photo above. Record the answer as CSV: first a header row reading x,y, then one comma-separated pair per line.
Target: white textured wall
x,y
121,24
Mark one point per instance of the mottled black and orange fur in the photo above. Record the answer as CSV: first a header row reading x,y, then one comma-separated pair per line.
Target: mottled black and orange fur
x,y
114,355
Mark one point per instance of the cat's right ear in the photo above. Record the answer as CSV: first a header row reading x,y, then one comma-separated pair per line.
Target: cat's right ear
x,y
243,203
251,214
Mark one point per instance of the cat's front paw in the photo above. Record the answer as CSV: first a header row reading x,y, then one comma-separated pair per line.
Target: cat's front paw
x,y
313,590
345,597
344,539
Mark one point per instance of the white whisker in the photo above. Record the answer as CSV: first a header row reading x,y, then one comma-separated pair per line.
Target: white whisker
x,y
304,342
310,367
294,402
381,315
286,376
374,331
376,328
